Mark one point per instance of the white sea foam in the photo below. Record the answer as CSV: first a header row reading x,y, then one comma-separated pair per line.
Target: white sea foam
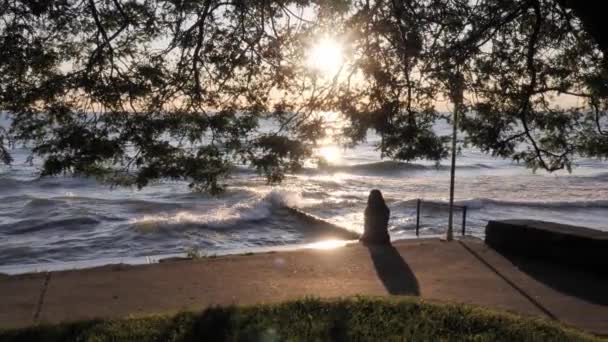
x,y
217,217
225,216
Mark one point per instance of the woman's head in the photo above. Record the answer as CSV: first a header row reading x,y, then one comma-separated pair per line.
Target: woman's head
x,y
375,198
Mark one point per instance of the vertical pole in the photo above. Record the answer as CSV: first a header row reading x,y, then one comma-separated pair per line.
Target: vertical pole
x,y
456,95
450,233
417,216
464,220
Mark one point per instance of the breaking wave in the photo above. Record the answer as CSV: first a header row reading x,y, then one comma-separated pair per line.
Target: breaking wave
x,y
226,216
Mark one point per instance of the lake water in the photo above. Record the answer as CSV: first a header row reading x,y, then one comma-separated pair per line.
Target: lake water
x,y
64,220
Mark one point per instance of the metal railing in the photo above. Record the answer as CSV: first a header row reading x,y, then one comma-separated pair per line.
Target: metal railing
x,y
461,207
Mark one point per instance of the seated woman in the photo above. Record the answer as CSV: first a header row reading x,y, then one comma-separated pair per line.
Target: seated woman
x,y
376,220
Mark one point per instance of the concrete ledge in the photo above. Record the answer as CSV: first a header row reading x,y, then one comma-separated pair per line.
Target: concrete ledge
x,y
317,222
562,244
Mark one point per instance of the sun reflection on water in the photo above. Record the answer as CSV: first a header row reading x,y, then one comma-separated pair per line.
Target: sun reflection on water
x,y
329,149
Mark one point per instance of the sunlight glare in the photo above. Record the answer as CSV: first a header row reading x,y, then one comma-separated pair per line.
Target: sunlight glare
x,y
328,244
331,154
326,56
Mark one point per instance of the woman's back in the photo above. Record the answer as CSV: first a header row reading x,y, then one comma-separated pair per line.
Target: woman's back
x,y
376,220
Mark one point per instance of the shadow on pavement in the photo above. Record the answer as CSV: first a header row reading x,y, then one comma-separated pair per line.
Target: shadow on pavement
x,y
588,286
393,271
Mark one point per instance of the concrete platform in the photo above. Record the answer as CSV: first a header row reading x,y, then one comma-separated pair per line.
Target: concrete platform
x,y
464,271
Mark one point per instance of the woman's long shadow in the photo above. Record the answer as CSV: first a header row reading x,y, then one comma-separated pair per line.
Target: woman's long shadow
x,y
393,271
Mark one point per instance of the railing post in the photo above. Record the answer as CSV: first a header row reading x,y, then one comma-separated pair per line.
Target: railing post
x,y
418,216
464,220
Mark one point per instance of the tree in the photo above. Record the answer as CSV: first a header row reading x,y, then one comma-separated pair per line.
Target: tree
x,y
535,51
519,58
136,91
592,18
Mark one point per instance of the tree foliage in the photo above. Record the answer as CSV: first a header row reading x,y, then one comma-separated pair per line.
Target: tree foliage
x,y
135,91
540,53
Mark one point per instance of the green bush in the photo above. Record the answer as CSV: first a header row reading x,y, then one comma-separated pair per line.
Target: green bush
x,y
363,319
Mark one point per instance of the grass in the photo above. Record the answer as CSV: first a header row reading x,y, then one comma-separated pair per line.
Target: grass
x,y
362,319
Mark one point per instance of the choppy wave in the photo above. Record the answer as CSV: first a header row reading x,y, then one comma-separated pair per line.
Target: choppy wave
x,y
69,218
30,204
36,225
388,167
88,230
9,184
377,167
602,177
479,203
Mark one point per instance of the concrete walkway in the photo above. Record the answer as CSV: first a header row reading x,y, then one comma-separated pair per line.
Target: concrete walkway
x,y
461,271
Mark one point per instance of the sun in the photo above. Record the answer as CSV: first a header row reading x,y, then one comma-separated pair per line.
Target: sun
x,y
326,56
330,154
